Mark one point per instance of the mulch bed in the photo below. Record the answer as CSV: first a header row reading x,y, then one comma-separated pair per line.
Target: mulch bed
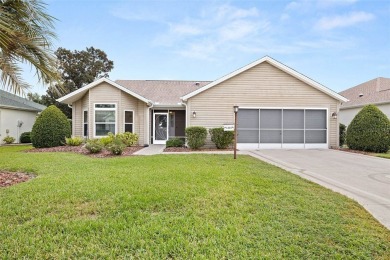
x,y
81,150
186,149
11,178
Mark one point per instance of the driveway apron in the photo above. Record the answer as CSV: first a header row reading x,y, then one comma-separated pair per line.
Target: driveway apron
x,y
363,178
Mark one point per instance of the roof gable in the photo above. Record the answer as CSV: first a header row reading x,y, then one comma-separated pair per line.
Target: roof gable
x,y
77,94
375,91
276,64
9,100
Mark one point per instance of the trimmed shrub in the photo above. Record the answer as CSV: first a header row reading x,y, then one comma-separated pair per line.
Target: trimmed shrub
x,y
117,146
222,139
8,139
107,140
342,134
129,139
94,146
74,141
196,136
50,128
369,131
175,142
25,137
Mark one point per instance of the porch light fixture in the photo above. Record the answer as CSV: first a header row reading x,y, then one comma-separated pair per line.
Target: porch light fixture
x,y
194,114
235,109
334,115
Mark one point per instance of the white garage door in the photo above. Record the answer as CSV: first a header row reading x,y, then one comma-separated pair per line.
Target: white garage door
x,y
282,128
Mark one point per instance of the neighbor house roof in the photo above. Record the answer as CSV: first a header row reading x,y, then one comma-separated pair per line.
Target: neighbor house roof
x,y
375,91
278,65
11,101
76,95
162,92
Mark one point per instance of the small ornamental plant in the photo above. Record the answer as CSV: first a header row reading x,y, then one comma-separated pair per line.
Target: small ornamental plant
x,y
117,146
25,137
8,139
196,136
222,139
94,146
174,142
342,134
74,141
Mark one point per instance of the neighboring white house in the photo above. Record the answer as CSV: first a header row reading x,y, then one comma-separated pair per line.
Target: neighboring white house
x,y
17,115
375,91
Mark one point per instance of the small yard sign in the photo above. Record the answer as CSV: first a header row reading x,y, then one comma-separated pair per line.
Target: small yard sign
x,y
228,127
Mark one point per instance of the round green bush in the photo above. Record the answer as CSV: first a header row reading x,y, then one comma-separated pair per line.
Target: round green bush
x,y
369,131
174,142
50,129
196,136
221,138
25,137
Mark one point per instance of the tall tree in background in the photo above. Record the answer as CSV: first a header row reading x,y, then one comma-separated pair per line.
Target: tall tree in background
x,y
77,68
26,33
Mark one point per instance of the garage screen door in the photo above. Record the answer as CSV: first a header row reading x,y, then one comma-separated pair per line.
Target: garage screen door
x,y
282,128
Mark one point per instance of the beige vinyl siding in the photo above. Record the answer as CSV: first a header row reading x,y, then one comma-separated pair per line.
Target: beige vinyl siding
x,y
77,123
261,86
105,93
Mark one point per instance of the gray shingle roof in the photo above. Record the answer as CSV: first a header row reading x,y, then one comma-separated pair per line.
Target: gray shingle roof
x,y
371,92
9,100
162,92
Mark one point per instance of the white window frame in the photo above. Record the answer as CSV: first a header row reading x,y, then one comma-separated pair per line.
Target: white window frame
x,y
104,109
86,123
124,120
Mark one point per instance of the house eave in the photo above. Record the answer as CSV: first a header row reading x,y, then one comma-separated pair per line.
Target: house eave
x,y
365,104
20,108
77,94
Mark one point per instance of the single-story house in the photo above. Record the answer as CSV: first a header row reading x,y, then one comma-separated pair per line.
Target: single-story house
x,y
17,115
375,91
278,107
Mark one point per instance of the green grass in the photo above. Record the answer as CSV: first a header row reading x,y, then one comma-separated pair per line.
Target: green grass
x,y
176,206
383,155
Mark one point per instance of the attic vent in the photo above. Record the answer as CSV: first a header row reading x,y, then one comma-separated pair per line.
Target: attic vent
x,y
197,83
361,94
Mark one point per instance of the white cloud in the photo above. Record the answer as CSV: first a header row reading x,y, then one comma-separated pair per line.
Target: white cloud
x,y
185,29
228,12
215,30
329,23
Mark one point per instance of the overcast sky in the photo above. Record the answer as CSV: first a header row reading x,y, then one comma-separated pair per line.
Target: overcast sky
x,y
338,43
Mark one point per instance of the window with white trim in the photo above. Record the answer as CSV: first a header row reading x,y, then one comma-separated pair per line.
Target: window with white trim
x,y
105,119
129,121
85,123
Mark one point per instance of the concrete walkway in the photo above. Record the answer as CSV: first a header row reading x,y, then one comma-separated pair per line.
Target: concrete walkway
x,y
366,179
152,149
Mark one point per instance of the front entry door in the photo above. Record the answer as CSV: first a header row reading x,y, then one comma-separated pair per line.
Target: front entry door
x,y
160,128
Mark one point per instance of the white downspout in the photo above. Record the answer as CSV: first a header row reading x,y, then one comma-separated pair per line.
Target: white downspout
x,y
185,104
150,106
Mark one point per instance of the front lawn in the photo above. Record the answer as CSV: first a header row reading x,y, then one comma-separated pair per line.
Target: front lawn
x,y
176,206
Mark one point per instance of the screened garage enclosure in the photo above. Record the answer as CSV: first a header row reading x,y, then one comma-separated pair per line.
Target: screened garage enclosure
x,y
272,128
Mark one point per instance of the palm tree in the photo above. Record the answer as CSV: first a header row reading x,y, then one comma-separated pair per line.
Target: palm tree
x,y
26,34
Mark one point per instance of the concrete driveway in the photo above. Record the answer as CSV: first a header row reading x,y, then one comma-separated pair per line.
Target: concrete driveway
x,y
363,178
